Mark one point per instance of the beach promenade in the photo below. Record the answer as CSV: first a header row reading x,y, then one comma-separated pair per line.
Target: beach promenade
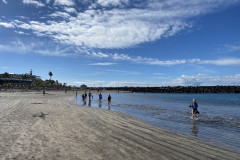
x,y
51,126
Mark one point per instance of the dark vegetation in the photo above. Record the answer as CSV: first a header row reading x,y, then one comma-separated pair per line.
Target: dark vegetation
x,y
32,82
29,81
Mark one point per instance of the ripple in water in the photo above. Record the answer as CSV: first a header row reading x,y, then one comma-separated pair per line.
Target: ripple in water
x,y
218,122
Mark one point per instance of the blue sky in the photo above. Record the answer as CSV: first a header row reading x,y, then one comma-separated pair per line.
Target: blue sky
x,y
123,42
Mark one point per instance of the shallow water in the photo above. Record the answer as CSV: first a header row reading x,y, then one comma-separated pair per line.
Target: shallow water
x,y
218,122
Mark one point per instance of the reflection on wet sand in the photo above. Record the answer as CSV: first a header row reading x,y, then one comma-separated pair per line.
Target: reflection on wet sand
x,y
194,128
89,103
100,104
109,105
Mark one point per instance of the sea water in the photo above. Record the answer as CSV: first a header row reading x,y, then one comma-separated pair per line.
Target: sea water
x,y
218,122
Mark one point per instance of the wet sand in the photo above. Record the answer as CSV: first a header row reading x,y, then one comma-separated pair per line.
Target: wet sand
x,y
33,126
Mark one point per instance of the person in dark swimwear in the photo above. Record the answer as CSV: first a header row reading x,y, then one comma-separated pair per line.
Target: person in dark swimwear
x,y
109,98
90,96
100,96
109,102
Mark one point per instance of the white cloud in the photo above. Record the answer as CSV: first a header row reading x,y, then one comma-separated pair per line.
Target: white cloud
x,y
99,54
222,62
20,47
4,1
64,2
58,53
21,17
114,83
70,10
140,60
7,25
130,83
124,72
232,47
4,67
159,74
107,3
117,56
151,61
122,27
102,64
60,14
184,80
20,32
16,47
204,79
33,2
90,83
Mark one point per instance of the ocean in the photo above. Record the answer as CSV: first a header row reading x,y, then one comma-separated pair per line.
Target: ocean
x,y
218,122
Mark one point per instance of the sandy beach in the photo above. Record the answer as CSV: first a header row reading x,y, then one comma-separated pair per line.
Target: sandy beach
x,y
33,126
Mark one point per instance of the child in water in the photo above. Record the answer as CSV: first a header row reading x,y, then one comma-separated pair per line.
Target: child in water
x,y
194,107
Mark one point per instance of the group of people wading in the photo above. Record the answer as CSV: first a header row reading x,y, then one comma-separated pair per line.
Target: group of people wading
x,y
194,105
109,97
84,96
90,97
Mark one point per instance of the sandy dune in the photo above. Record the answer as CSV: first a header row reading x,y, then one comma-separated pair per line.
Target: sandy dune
x,y
33,126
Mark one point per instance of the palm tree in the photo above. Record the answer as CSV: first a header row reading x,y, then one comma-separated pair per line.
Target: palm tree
x,y
6,75
50,74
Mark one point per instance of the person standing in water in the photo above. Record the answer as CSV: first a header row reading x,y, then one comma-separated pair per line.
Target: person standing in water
x,y
109,102
109,98
90,96
100,96
194,108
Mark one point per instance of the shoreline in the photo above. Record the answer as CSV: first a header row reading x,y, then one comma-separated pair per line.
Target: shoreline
x,y
156,111
34,126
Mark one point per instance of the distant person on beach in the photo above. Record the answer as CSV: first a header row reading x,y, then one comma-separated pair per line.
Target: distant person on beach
x,y
100,96
90,96
76,94
44,92
109,102
109,98
194,107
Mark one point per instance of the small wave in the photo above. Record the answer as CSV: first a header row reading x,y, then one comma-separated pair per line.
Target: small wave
x,y
182,116
174,114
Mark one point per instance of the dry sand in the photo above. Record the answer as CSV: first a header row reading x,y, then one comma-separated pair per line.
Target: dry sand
x,y
33,126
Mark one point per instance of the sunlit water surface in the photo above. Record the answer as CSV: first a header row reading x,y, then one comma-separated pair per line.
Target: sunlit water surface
x,y
218,122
